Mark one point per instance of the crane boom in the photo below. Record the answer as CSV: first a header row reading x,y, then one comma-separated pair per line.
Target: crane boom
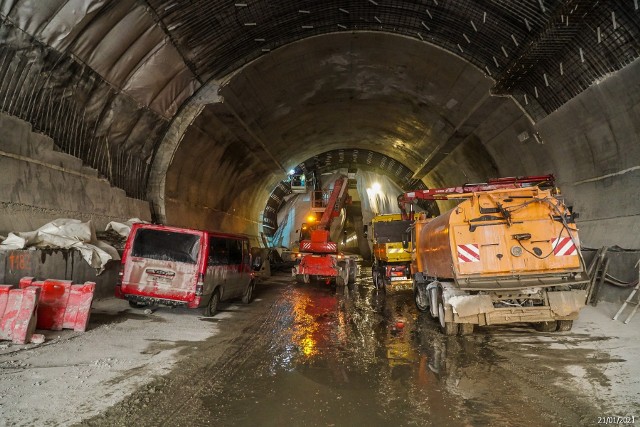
x,y
467,190
335,203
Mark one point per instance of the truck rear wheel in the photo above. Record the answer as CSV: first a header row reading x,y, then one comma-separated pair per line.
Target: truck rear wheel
x,y
420,297
447,328
565,325
546,326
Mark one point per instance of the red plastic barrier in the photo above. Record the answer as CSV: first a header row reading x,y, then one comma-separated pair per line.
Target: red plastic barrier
x,y
18,313
63,305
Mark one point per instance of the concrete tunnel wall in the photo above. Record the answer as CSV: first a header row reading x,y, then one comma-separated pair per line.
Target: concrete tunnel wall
x,y
39,184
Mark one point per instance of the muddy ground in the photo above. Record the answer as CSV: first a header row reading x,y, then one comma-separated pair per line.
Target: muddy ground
x,y
313,355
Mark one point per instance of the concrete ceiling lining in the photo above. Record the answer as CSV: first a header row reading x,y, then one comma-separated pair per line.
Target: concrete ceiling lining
x,y
338,100
543,53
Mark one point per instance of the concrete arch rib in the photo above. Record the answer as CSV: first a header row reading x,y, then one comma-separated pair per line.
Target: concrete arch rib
x,y
166,149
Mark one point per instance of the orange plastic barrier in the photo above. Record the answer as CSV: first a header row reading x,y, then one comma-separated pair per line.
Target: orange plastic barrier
x,y
18,313
63,305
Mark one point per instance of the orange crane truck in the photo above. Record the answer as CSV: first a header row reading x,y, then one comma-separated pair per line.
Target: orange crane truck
x,y
508,253
319,257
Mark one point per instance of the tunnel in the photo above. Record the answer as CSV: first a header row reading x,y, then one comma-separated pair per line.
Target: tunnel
x,y
193,113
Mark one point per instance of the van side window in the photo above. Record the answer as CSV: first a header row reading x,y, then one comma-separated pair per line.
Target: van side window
x,y
218,252
235,251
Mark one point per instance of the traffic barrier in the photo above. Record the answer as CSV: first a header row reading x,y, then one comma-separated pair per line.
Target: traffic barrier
x,y
18,313
63,305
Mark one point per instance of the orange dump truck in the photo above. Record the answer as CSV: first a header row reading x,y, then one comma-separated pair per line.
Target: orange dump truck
x,y
505,255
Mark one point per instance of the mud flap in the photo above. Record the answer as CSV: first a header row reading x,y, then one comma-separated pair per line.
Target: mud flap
x,y
471,305
564,303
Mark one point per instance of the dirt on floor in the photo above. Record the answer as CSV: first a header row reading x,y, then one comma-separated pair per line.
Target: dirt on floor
x,y
316,355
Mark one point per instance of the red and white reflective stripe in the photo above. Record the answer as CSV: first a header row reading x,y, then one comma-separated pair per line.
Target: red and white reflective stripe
x,y
468,253
306,246
332,246
564,246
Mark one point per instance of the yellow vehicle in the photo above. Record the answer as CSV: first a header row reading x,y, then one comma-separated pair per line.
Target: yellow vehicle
x,y
501,256
391,262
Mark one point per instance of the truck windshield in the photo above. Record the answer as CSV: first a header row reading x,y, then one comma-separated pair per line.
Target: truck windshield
x,y
390,232
166,246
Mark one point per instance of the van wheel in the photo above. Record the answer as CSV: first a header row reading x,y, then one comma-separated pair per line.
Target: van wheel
x,y
248,293
212,307
134,304
565,325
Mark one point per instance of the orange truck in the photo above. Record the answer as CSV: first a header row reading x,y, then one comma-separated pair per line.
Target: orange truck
x,y
508,253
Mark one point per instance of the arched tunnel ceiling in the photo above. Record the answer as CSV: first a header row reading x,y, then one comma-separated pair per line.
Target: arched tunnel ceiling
x,y
106,78
409,101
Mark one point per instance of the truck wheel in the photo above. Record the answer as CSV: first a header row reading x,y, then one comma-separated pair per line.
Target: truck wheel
x,y
420,297
248,293
212,307
447,328
565,325
302,278
352,272
465,328
374,275
546,326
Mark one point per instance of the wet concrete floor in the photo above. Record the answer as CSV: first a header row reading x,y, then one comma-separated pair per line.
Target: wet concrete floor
x,y
317,355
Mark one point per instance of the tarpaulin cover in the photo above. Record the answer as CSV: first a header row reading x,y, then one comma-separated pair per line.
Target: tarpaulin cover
x,y
65,233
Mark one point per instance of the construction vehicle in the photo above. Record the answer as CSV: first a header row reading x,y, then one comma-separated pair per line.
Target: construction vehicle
x,y
319,257
509,252
391,262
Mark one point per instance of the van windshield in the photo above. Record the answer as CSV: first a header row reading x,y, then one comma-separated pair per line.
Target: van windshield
x,y
166,246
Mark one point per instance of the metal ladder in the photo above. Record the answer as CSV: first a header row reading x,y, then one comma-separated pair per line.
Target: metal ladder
x,y
630,300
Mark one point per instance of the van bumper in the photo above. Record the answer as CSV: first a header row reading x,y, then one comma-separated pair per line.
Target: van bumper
x,y
157,301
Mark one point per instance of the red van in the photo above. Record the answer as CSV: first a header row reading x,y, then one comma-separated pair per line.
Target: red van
x,y
183,267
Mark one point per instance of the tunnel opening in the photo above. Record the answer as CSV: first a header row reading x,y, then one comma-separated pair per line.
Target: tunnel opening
x,y
375,181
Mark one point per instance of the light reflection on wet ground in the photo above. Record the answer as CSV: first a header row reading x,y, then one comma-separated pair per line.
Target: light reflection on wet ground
x,y
357,356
